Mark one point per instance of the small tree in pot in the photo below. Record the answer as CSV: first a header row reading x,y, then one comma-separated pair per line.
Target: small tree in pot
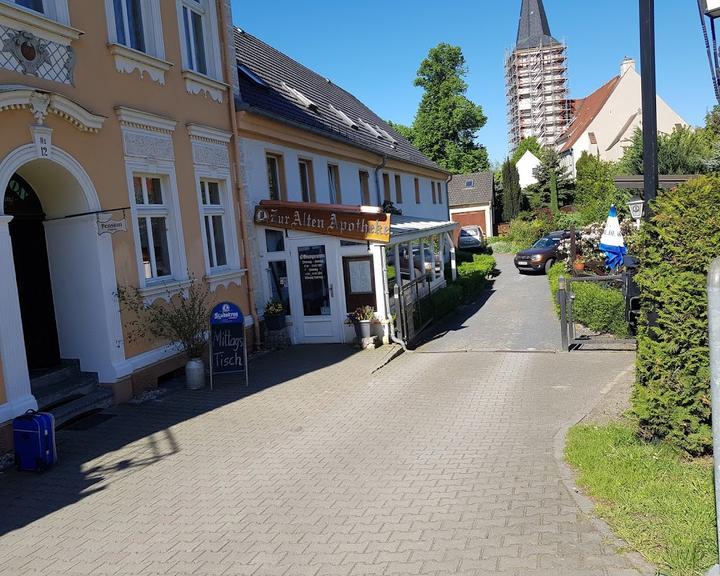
x,y
361,319
182,321
274,315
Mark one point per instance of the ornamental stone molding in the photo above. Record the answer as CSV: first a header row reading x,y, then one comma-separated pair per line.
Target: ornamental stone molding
x,y
24,52
215,155
42,103
141,144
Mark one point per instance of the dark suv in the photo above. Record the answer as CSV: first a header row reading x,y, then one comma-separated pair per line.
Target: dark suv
x,y
542,255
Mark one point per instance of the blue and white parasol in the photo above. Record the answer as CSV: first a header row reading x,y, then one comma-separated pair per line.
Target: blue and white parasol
x,y
612,242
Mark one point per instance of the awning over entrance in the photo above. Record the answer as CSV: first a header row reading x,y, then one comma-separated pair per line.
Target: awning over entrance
x,y
409,228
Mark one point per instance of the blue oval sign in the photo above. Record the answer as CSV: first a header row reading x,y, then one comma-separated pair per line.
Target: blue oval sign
x,y
226,313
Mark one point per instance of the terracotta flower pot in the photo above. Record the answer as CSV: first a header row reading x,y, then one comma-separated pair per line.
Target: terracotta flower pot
x,y
579,266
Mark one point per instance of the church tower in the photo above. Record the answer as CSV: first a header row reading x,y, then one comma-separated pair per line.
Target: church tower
x,y
536,80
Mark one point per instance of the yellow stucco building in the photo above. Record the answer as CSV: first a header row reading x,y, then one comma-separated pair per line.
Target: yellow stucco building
x,y
119,168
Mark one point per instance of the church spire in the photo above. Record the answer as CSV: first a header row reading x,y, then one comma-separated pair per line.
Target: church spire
x,y
534,30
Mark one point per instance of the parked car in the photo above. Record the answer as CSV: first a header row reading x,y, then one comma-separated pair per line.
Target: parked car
x,y
542,255
471,238
405,265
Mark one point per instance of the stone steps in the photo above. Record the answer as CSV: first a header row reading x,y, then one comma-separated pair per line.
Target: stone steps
x,y
68,393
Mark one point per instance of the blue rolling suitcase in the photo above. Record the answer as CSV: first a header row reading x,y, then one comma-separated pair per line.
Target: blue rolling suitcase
x,y
34,438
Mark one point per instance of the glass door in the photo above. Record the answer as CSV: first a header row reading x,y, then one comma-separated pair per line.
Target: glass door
x,y
318,312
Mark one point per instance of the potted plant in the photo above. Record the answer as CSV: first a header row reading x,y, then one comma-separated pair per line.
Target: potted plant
x,y
579,264
180,318
274,315
361,319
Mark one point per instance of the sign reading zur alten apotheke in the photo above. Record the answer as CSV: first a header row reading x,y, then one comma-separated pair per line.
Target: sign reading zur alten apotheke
x,y
349,224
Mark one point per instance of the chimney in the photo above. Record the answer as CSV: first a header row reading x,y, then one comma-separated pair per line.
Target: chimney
x,y
627,64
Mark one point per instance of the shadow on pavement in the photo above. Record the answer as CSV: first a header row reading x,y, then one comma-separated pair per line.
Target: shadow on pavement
x,y
112,444
456,322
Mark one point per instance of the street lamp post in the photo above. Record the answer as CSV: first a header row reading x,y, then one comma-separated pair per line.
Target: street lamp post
x,y
649,99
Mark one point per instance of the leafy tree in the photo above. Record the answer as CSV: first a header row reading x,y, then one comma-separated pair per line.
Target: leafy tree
x,y
447,121
685,151
531,143
512,194
554,184
712,122
595,189
405,131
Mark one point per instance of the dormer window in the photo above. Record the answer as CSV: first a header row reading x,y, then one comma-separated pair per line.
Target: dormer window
x,y
344,118
469,183
385,135
301,98
370,129
245,71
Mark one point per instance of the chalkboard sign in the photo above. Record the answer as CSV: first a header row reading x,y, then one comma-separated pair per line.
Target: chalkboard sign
x,y
228,352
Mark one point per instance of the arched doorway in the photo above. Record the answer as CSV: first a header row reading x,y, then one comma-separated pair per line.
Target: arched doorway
x,y
30,255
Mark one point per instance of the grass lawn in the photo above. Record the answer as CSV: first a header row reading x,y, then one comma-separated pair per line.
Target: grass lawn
x,y
659,502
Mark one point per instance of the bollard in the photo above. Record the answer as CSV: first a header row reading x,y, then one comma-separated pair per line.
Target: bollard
x,y
714,322
562,300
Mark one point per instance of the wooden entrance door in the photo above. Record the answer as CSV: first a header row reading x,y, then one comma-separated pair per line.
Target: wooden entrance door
x,y
32,272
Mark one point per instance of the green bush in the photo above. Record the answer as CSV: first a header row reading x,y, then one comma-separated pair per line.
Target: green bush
x,y
672,394
446,300
463,256
502,246
472,276
600,308
525,234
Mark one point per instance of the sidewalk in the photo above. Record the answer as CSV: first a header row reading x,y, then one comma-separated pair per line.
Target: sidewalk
x,y
429,466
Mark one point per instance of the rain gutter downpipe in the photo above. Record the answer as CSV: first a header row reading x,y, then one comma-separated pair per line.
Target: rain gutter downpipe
x,y
240,193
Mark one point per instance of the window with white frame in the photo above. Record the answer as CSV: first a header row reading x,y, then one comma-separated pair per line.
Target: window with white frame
x,y
213,209
136,24
334,184
53,9
129,27
200,36
152,212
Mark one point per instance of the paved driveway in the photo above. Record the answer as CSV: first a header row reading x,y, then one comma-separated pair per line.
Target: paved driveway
x,y
437,464
516,314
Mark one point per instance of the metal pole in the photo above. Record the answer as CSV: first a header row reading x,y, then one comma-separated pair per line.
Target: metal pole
x,y
649,100
714,321
562,300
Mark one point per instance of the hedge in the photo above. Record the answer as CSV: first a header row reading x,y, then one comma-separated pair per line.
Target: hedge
x,y
600,308
671,399
471,281
472,276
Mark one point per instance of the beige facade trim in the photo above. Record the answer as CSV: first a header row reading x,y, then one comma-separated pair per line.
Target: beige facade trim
x,y
198,83
132,118
128,60
42,103
42,27
198,132
225,278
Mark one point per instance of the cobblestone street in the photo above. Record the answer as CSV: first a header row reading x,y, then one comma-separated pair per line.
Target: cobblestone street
x,y
439,463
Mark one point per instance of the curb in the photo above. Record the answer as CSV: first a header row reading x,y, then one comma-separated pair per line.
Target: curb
x,y
586,505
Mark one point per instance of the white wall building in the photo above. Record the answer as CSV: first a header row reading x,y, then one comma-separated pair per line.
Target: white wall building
x,y
605,121
313,153
526,169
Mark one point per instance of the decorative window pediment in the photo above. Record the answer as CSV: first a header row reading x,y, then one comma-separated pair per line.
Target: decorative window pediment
x,y
43,103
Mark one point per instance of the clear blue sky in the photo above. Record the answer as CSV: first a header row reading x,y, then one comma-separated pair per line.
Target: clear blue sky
x,y
372,48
